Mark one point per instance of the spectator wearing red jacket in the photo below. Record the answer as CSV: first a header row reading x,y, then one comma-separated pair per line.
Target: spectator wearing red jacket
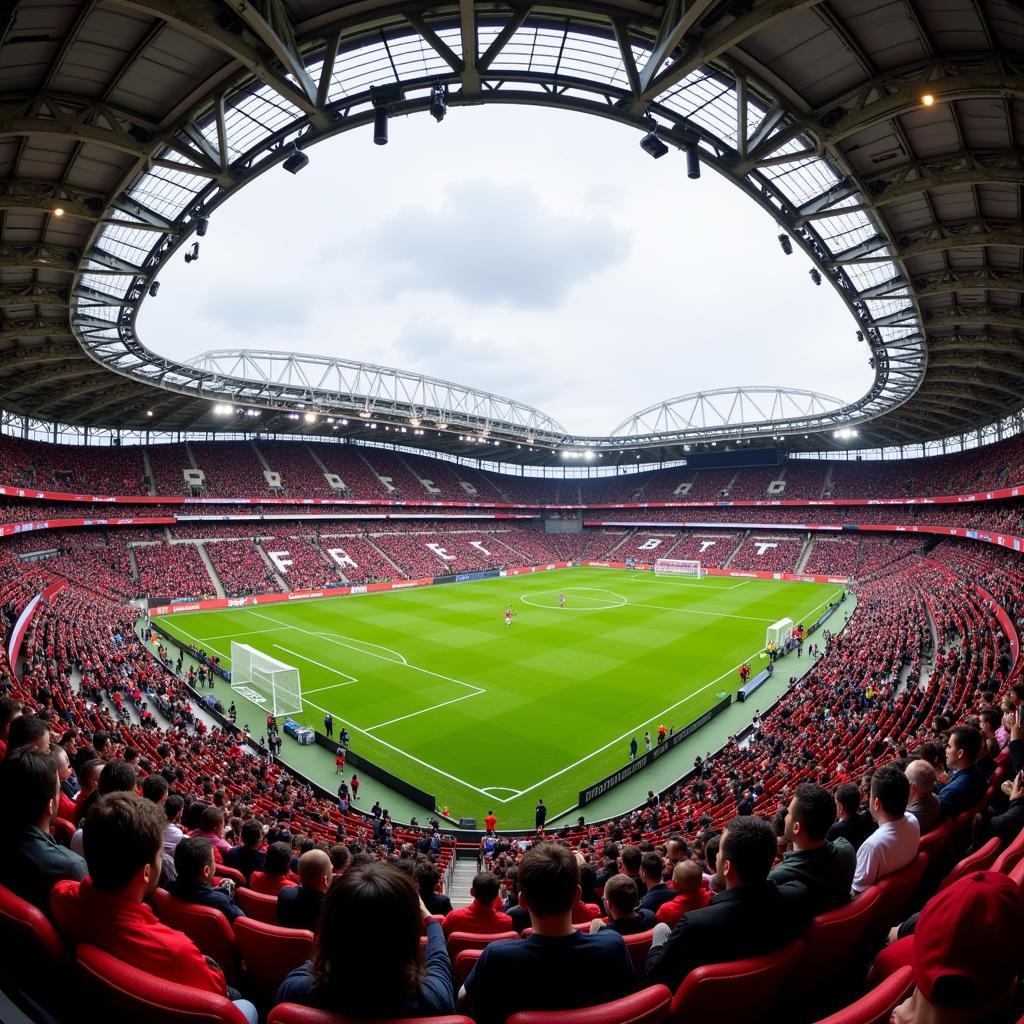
x,y
479,917
124,853
688,885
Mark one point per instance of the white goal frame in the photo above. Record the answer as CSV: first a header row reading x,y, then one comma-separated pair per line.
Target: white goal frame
x,y
271,683
679,567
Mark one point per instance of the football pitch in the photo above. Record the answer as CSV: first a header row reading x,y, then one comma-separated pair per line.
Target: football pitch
x,y
434,687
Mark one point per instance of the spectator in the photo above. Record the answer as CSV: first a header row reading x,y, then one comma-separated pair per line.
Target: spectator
x,y
211,826
1007,826
924,804
690,893
966,784
629,864
194,867
31,861
479,917
752,917
652,867
299,906
384,974
275,874
174,807
427,878
625,916
124,848
340,859
824,866
894,844
556,968
116,777
851,823
248,857
28,731
10,709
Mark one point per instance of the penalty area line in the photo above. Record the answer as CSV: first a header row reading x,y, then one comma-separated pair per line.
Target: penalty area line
x,y
423,711
319,664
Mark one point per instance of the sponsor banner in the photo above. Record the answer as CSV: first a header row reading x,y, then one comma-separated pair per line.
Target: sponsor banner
x,y
788,577
333,516
667,525
627,771
9,529
14,641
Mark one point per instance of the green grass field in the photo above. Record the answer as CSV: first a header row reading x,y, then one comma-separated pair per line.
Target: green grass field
x,y
435,688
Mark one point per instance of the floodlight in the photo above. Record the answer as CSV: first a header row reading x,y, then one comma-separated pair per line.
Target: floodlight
x,y
815,276
653,146
202,225
296,160
153,289
438,102
310,417
927,100
787,244
193,253
149,412
380,126
692,163
860,335
414,421
871,362
364,414
58,211
441,425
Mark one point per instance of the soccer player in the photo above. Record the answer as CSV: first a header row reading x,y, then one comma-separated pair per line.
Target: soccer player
x,y
508,616
561,600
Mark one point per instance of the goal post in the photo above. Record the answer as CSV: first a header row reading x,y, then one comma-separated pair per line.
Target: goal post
x,y
779,634
271,683
678,567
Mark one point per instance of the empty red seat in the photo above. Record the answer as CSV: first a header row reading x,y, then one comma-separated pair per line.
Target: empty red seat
x,y
270,953
223,871
257,904
463,965
1010,856
63,831
118,991
34,954
895,892
739,991
980,860
458,941
206,927
638,946
648,1006
876,1006
293,1013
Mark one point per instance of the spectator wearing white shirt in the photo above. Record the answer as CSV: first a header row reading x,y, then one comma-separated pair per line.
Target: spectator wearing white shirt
x,y
895,843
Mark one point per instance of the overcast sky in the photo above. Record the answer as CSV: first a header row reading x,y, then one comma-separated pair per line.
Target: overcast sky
x,y
533,253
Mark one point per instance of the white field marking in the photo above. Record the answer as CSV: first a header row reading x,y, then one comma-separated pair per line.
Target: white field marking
x,y
321,689
423,711
203,644
680,583
356,644
319,664
503,789
698,611
657,715
340,643
253,632
525,598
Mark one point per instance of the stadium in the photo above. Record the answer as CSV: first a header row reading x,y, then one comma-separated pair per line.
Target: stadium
x,y
335,691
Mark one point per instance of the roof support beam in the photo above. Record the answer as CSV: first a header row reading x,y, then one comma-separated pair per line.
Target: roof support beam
x,y
984,279
32,295
958,315
41,353
509,29
39,257
45,196
13,330
470,44
969,235
679,18
970,168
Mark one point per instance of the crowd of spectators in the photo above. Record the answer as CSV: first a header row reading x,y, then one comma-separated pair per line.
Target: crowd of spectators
x,y
764,552
240,568
173,570
232,469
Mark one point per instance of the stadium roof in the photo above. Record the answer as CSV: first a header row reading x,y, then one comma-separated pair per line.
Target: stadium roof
x,y
885,138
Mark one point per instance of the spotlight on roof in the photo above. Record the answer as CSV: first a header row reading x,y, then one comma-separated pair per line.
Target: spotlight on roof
x,y
296,159
310,417
815,276
787,244
438,102
414,421
927,100
202,226
692,163
149,412
223,409
193,253
441,425
871,362
364,414
653,146
153,289
860,335
58,211
380,126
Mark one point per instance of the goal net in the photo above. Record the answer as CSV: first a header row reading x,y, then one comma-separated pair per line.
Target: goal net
x,y
271,683
678,567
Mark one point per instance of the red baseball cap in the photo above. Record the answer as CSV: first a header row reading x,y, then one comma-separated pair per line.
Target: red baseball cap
x,y
967,950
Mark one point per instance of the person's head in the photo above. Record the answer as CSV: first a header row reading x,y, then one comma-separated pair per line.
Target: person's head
x,y
746,851
211,821
28,731
548,881
890,793
621,896
123,841
990,720
155,788
676,850
811,813
485,888
651,868
117,777
427,876
315,871
278,858
921,776
101,743
193,861
252,834
380,904
962,747
60,755
174,807
630,859
28,780
686,876
847,800
10,709
957,977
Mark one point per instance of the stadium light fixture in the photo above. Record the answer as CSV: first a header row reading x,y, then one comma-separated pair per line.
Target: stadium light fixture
x,y
414,421
860,335
373,426
364,414
149,412
441,425
296,159
653,146
692,163
927,100
310,417
202,226
193,253
153,289
815,276
438,102
787,244
58,211
344,423
380,126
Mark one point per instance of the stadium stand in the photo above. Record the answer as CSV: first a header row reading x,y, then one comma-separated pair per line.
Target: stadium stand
x,y
240,568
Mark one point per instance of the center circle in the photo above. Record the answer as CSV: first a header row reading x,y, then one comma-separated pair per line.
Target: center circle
x,y
577,599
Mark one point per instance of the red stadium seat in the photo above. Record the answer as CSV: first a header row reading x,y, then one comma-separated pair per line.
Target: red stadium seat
x,y
1006,861
583,927
118,991
458,941
895,892
980,860
62,831
206,927
223,871
934,843
876,1006
1017,874
270,953
293,1013
740,991
464,964
638,946
648,1006
256,904
269,885
34,954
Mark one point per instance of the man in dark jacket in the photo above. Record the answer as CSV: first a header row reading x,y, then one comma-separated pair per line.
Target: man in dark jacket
x,y
194,866
966,785
299,906
753,916
248,857
652,868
